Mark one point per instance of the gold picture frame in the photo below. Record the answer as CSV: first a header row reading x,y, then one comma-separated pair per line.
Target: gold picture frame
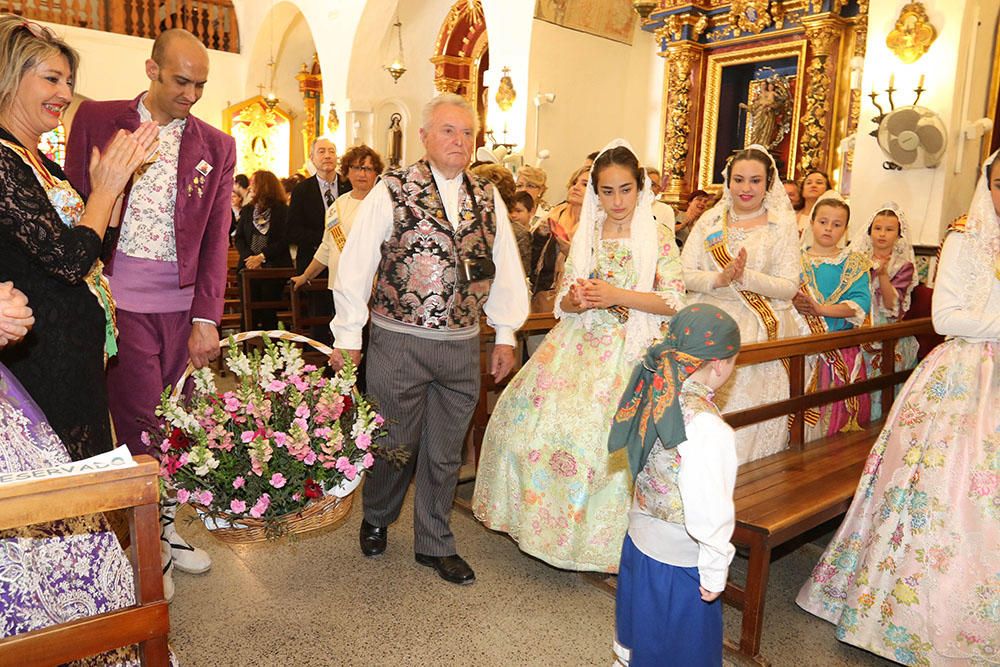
x,y
715,66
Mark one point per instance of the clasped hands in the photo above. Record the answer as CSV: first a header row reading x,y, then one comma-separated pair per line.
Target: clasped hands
x,y
806,304
111,169
733,273
15,315
589,293
254,261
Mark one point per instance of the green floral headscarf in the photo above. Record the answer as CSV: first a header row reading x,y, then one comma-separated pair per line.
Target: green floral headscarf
x,y
650,407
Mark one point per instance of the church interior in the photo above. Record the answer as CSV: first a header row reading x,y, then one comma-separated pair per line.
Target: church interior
x,y
889,99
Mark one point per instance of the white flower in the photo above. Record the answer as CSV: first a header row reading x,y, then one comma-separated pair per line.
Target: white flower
x,y
204,381
238,364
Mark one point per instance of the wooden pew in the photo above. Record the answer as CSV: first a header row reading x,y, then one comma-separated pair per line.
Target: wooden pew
x,y
782,496
250,305
147,623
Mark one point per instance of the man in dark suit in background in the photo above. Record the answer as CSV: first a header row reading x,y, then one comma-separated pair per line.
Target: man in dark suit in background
x,y
307,220
310,200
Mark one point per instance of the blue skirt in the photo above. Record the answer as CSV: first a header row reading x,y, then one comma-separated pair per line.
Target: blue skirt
x,y
660,618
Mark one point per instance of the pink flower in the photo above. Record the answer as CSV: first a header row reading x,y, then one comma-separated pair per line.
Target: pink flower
x,y
309,458
280,438
260,506
379,420
367,461
276,385
364,441
563,463
144,437
534,455
205,498
984,483
278,480
239,482
301,423
247,436
238,506
296,496
342,463
308,368
183,495
297,382
302,411
232,404
165,445
350,472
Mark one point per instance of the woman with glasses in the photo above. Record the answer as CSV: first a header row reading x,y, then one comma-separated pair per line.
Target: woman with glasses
x,y
360,165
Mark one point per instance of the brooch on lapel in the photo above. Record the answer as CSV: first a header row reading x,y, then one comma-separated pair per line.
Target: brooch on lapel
x,y
203,168
197,184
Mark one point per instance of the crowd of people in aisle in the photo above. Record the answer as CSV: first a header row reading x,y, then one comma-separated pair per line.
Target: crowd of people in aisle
x,y
605,452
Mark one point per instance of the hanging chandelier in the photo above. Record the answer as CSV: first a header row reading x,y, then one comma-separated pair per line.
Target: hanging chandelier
x,y
397,68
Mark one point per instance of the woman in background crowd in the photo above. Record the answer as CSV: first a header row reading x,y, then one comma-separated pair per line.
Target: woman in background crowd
x,y
361,165
814,185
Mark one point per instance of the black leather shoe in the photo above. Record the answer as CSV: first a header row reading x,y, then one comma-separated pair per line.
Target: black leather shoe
x,y
373,539
450,568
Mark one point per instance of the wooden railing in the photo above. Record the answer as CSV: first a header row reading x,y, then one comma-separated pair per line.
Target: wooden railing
x,y
211,21
146,623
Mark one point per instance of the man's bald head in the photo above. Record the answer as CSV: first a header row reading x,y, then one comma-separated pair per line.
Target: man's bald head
x,y
177,71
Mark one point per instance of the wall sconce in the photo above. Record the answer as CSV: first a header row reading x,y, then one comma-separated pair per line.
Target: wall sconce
x,y
396,68
857,69
544,98
505,92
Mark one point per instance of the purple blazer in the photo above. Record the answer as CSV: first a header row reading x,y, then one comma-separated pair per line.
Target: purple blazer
x,y
201,220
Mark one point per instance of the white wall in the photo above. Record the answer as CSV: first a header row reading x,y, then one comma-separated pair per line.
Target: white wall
x,y
930,197
604,90
112,67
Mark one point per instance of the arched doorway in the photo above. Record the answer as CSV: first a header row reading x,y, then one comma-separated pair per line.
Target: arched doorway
x,y
462,56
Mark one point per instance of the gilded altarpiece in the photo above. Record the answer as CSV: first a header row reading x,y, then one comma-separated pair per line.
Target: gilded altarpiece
x,y
728,61
263,136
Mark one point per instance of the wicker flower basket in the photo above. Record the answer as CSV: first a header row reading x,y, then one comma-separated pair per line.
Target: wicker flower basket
x,y
319,513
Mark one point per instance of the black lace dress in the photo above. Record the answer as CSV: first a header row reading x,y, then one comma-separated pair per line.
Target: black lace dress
x,y
61,360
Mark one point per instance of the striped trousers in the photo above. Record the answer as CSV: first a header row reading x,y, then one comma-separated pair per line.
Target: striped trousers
x,y
427,391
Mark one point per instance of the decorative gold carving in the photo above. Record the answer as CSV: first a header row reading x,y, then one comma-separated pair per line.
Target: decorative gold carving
x,y
913,33
749,16
681,59
822,35
713,91
854,111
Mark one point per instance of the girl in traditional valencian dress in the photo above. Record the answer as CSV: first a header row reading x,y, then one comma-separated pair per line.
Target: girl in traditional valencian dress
x,y
912,573
743,256
887,241
834,296
545,476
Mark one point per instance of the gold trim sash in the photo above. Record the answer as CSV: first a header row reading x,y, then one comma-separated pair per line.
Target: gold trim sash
x,y
334,226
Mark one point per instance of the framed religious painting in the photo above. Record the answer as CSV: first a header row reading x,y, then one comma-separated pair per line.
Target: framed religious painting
x,y
263,134
752,96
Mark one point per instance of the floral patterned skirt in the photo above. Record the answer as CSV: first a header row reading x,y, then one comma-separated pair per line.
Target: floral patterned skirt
x,y
913,573
545,475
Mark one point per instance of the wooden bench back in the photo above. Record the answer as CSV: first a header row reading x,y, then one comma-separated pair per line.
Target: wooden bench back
x,y
147,623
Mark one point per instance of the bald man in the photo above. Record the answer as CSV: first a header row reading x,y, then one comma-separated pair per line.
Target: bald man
x,y
166,256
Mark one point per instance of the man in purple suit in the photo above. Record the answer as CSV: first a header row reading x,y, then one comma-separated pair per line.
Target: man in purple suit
x,y
167,263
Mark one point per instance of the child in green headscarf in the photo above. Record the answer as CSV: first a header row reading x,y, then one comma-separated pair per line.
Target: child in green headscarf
x,y
676,555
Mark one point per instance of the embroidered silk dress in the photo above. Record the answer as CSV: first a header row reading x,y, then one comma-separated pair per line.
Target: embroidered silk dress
x,y
545,475
772,276
840,279
58,571
913,572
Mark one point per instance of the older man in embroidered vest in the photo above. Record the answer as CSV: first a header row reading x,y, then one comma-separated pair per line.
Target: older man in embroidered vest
x,y
440,247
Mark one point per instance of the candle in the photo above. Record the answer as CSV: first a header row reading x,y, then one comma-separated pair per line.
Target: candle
x,y
892,81
920,84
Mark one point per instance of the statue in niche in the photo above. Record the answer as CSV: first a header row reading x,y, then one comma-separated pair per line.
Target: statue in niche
x,y
395,140
768,111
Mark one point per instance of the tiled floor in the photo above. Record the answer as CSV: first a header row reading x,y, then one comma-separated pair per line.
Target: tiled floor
x,y
315,600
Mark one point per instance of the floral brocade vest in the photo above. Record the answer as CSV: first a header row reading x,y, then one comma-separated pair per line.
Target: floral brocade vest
x,y
417,280
657,492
